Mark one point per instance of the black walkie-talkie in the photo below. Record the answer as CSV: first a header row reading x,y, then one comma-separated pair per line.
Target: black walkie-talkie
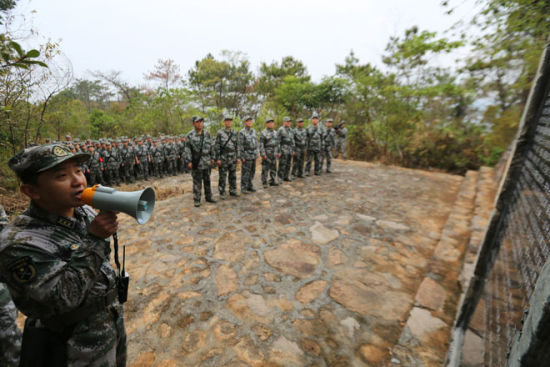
x,y
122,279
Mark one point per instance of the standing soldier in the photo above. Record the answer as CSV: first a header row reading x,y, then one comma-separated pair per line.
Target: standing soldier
x,y
112,163
286,140
143,158
341,135
199,153
172,156
128,158
270,152
226,150
95,165
10,335
314,145
300,150
157,158
54,259
248,152
329,143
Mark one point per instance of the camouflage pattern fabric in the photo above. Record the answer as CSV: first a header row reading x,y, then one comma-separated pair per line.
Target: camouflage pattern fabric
x,y
329,143
112,163
286,140
142,153
95,164
201,178
226,149
57,273
157,158
10,335
270,148
170,155
300,152
200,173
248,150
340,141
128,157
314,147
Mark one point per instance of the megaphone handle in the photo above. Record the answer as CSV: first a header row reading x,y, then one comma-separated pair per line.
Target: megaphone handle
x,y
115,245
123,259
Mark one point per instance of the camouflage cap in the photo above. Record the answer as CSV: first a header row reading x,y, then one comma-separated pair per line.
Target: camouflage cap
x,y
228,117
286,119
247,118
330,120
315,116
300,119
269,119
41,158
197,118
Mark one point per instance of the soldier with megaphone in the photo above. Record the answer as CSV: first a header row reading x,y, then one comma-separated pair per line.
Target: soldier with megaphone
x,y
54,259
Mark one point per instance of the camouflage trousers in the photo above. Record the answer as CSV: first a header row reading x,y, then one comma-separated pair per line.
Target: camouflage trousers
x,y
326,156
143,169
340,147
248,170
182,167
313,156
201,177
127,172
157,169
269,169
95,177
10,335
298,163
111,176
229,171
284,166
171,166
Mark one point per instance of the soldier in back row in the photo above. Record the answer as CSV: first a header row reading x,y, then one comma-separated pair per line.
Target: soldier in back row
x,y
248,145
314,145
328,145
300,149
287,144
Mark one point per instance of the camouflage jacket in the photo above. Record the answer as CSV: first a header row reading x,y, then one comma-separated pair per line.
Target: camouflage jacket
x,y
300,138
180,148
142,153
193,151
286,139
330,139
227,145
248,144
314,138
170,151
157,154
10,335
127,155
269,143
342,133
96,161
112,158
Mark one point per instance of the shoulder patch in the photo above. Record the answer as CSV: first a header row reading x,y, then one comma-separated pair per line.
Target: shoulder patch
x,y
23,270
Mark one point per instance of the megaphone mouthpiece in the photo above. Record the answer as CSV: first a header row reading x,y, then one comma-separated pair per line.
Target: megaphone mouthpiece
x,y
138,204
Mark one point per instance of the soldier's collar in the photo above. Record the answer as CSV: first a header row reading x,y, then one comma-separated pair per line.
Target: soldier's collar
x,y
37,212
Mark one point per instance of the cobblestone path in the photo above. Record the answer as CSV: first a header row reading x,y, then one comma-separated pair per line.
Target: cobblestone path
x,y
322,271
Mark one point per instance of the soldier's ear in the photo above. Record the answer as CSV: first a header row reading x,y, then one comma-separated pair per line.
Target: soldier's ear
x,y
30,190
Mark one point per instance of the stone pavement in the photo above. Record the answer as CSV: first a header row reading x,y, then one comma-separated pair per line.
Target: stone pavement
x,y
322,271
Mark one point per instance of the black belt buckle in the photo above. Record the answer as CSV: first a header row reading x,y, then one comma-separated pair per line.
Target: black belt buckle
x,y
122,283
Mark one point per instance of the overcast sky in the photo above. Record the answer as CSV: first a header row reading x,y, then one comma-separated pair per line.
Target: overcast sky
x,y
131,35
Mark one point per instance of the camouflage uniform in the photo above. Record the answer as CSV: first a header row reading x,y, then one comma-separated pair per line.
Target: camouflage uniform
x,y
199,149
329,143
180,148
143,157
248,150
157,160
300,149
269,148
170,154
340,142
10,335
314,147
226,149
128,158
286,139
95,164
56,273
112,165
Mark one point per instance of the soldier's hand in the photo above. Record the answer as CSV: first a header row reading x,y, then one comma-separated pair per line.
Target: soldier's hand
x,y
219,163
190,165
104,224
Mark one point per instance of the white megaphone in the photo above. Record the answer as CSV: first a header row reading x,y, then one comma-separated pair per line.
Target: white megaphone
x,y
138,204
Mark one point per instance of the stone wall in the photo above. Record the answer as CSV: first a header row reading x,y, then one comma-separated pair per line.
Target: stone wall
x,y
506,304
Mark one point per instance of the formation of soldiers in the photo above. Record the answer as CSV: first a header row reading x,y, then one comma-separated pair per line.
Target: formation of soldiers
x,y
284,154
